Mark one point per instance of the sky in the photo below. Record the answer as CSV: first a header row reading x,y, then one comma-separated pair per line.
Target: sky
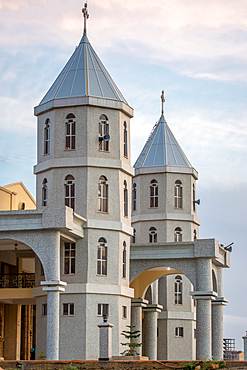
x,y
195,50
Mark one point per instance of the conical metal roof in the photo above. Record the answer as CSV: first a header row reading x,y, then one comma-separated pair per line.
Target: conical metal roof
x,y
83,75
161,149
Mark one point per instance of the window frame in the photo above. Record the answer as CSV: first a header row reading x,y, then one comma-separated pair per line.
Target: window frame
x,y
124,312
70,132
103,130
44,192
124,260
69,259
44,309
70,309
178,232
154,194
47,137
103,194
103,308
125,199
178,195
153,237
125,132
134,236
178,290
179,332
134,197
69,197
102,257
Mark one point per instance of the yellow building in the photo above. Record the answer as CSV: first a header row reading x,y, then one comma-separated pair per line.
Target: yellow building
x,y
16,317
15,197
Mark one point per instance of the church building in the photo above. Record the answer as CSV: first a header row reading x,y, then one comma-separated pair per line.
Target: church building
x,y
107,238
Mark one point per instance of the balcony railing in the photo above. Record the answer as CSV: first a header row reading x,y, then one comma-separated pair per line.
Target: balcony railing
x,y
17,281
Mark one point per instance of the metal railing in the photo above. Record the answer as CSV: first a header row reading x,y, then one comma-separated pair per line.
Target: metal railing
x,y
17,281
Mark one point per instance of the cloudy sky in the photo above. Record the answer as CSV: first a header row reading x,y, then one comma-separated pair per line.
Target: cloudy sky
x,y
195,50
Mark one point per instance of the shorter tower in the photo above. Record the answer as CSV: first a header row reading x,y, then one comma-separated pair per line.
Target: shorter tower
x,y
164,190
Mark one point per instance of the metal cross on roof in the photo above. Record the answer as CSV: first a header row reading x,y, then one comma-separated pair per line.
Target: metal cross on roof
x,y
162,101
86,16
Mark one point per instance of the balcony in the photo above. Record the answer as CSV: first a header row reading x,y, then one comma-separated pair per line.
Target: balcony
x,y
17,281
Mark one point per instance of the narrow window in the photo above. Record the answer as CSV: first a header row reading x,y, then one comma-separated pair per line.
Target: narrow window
x,y
152,235
103,130
134,197
178,201
44,193
178,290
47,137
125,199
44,309
125,140
134,236
68,309
102,257
70,191
154,194
124,260
69,258
103,195
70,132
103,309
194,198
124,312
179,332
195,235
178,234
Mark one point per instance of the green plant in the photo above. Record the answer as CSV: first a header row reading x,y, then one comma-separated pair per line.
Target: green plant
x,y
42,356
71,367
130,334
190,365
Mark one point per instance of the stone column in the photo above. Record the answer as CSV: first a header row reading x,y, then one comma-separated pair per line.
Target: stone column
x,y
105,340
136,318
217,327
53,289
245,347
150,330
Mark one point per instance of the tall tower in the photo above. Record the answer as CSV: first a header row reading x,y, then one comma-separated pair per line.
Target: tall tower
x,y
84,163
164,189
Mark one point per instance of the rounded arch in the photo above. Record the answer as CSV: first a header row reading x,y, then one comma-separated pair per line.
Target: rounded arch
x,y
103,117
145,272
69,177
70,116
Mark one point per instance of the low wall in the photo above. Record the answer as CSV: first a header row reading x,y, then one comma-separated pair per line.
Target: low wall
x,y
107,365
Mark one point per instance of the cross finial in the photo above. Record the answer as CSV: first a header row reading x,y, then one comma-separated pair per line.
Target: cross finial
x,y
162,101
86,16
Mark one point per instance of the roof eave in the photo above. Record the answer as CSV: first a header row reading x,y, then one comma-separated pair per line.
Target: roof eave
x,y
171,169
85,100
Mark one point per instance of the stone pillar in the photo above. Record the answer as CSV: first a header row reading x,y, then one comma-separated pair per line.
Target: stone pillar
x,y
245,347
53,289
136,318
150,330
105,340
217,327
155,292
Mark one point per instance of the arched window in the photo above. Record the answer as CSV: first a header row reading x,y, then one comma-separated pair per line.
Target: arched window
x,y
178,193
44,193
154,194
178,234
134,236
125,199
103,130
23,206
195,235
70,191
134,197
124,260
103,195
214,282
102,257
47,137
70,132
194,198
152,235
125,140
178,290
